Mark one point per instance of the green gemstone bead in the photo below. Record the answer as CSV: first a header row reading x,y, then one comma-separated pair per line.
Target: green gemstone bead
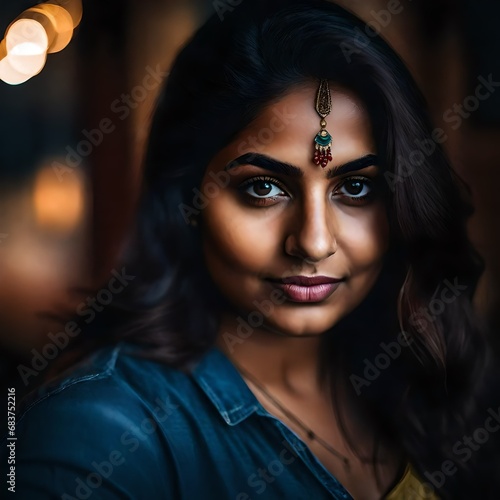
x,y
323,140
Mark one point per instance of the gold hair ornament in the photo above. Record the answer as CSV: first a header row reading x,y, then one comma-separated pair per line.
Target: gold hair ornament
x,y
323,140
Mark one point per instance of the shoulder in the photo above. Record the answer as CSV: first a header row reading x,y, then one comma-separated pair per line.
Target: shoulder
x,y
111,377
95,418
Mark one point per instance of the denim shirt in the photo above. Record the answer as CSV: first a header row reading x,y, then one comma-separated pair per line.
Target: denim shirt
x,y
118,426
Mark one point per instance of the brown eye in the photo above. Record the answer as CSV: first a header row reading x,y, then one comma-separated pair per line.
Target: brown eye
x,y
262,188
356,188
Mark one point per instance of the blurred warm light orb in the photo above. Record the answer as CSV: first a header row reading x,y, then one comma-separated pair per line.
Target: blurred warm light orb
x,y
57,23
58,205
27,44
43,29
73,7
7,73
11,76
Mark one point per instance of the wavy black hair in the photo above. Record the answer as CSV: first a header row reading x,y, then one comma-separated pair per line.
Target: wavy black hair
x,y
221,80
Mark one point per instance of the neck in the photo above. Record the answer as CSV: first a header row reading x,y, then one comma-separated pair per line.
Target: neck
x,y
283,362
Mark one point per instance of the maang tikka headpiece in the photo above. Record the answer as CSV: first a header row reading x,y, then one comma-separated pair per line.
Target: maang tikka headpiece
x,y
323,140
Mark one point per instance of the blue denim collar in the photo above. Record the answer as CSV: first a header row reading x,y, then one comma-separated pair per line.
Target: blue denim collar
x,y
223,384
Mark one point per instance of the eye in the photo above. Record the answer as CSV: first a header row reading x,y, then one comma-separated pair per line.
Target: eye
x,y
356,188
262,188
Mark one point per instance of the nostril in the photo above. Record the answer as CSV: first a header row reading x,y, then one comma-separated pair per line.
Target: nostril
x,y
310,250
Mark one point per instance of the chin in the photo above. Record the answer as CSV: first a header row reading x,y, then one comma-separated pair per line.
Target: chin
x,y
301,325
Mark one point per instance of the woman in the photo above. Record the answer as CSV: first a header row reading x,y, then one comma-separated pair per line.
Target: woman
x,y
299,324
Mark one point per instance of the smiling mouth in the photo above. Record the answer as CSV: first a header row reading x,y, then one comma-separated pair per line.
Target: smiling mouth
x,y
307,289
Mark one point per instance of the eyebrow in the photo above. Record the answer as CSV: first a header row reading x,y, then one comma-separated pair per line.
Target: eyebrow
x,y
280,167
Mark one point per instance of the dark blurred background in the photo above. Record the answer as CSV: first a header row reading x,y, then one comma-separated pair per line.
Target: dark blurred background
x,y
68,192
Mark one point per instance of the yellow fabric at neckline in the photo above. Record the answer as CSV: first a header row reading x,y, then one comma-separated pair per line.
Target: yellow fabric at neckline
x,y
411,487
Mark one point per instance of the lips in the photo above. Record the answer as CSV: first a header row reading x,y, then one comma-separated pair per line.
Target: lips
x,y
307,289
309,281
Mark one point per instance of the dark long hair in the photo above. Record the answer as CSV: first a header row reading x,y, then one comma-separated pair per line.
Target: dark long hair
x,y
219,83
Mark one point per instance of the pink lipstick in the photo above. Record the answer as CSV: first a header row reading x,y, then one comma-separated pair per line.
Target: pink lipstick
x,y
307,289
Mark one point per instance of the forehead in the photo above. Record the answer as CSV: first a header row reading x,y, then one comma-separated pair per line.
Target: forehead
x,y
287,128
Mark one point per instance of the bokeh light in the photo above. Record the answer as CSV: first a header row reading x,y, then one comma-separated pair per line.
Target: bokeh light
x,y
27,44
57,22
73,7
38,31
58,205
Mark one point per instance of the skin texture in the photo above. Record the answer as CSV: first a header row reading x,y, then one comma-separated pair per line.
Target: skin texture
x,y
315,229
307,226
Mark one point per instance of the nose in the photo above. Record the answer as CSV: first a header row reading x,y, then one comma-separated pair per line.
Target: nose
x,y
312,232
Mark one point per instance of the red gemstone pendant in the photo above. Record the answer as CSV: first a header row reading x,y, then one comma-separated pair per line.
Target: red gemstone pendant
x,y
322,157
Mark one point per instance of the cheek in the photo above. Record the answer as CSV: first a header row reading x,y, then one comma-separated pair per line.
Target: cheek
x,y
235,239
365,239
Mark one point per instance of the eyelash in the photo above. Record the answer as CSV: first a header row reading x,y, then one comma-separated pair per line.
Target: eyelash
x,y
260,201
365,180
275,182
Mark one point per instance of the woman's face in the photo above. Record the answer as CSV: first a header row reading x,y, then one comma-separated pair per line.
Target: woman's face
x,y
274,218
